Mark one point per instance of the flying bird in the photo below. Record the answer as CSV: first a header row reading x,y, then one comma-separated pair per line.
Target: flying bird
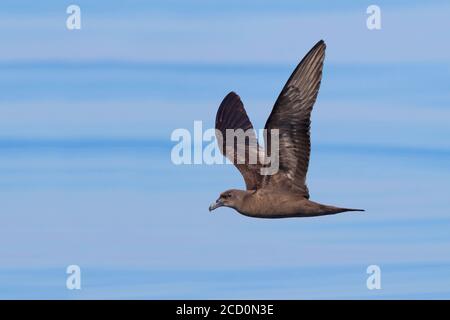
x,y
283,194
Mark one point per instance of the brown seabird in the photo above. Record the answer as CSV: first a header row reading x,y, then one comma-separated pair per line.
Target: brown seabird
x,y
283,194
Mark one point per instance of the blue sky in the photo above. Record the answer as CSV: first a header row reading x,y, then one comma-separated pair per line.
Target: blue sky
x,y
86,176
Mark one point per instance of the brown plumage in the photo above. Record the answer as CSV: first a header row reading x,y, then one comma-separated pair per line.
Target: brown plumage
x,y
283,194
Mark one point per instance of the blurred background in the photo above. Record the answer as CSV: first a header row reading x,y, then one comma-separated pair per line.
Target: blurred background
x,y
86,176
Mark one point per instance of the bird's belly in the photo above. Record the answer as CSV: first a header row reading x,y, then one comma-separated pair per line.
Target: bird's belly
x,y
277,207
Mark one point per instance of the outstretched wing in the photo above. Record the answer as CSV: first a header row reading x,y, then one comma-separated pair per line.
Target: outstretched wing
x,y
291,116
242,153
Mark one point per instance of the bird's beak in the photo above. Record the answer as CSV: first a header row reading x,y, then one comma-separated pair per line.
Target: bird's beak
x,y
216,204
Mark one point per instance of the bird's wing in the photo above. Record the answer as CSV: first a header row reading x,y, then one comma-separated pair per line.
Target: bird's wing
x,y
291,116
244,153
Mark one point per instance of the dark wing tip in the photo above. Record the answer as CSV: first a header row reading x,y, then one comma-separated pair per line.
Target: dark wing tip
x,y
232,94
231,100
321,43
230,97
319,46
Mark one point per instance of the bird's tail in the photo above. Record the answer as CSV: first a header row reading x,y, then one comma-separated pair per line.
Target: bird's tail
x,y
349,209
326,209
333,209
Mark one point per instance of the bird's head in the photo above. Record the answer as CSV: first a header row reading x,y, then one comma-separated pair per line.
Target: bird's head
x,y
231,198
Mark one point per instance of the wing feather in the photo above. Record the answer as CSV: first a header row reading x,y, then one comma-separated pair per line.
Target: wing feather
x,y
291,116
244,154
